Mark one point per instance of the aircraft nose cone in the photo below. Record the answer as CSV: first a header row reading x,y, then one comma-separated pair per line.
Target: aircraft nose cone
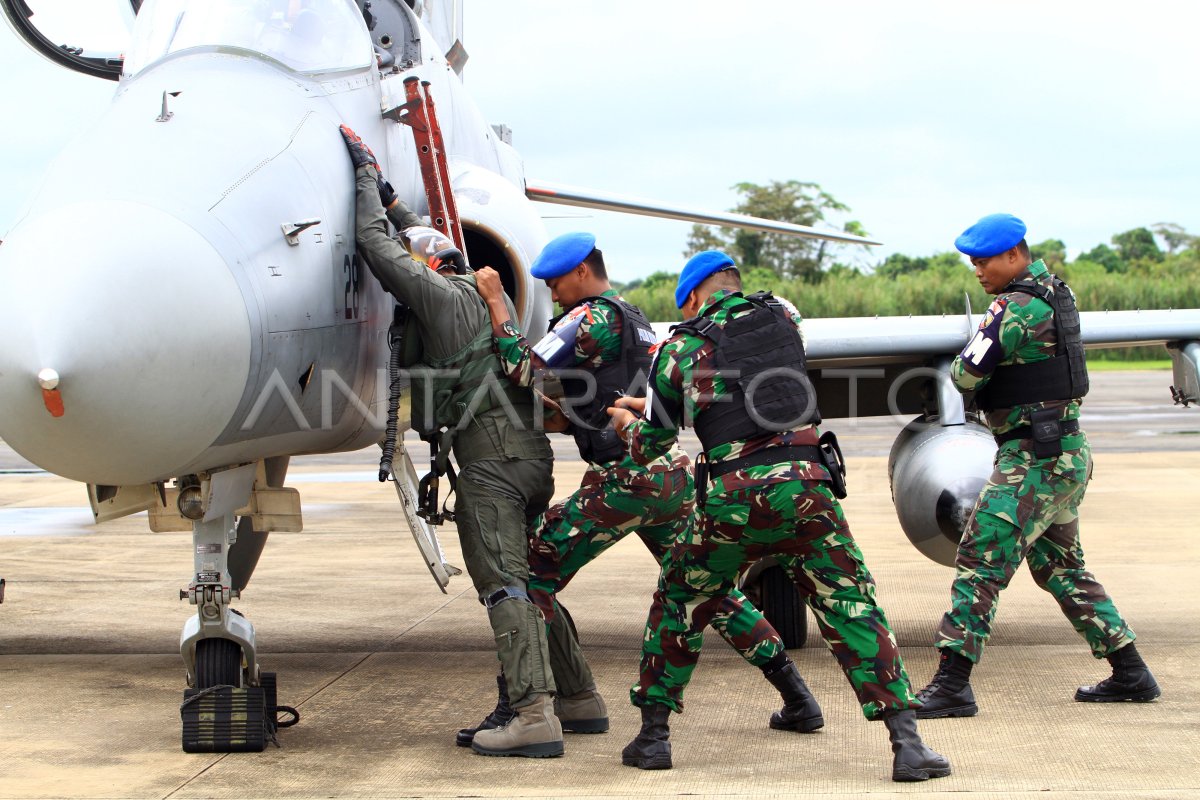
x,y
133,322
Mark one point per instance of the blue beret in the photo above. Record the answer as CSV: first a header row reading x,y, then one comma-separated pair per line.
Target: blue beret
x,y
992,235
699,267
562,255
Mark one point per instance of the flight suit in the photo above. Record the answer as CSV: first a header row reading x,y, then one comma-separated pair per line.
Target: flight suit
x,y
1029,508
505,462
782,509
615,498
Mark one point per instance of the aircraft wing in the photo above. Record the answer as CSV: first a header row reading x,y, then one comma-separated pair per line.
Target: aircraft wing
x,y
872,366
881,339
544,192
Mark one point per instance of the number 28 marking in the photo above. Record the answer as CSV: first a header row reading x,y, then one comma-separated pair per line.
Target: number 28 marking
x,y
350,269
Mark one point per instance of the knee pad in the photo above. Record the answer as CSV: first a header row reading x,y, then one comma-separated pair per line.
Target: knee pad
x,y
505,593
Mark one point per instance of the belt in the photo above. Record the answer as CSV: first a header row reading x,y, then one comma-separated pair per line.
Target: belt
x,y
772,455
1026,432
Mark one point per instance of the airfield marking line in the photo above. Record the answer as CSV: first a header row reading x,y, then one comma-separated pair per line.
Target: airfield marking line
x,y
183,785
449,600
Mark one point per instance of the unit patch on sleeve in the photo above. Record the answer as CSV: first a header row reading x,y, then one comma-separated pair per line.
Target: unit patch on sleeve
x,y
984,352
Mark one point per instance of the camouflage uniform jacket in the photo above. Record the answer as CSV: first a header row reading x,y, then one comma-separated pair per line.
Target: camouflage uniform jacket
x,y
1018,328
597,341
684,382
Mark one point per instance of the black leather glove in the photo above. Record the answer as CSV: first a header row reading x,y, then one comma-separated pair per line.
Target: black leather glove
x,y
387,195
360,154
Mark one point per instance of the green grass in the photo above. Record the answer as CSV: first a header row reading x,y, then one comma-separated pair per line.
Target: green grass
x,y
1099,365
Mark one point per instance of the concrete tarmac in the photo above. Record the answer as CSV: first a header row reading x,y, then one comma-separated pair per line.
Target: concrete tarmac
x,y
383,667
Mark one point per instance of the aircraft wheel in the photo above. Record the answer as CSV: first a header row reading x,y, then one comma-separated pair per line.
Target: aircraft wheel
x,y
218,663
783,607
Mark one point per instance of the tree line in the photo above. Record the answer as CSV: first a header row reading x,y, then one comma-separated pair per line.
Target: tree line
x,y
1156,266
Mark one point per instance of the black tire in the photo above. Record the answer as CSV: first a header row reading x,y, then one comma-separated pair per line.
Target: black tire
x,y
783,607
218,663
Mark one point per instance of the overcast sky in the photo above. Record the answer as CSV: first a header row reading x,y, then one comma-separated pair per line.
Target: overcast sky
x,y
921,116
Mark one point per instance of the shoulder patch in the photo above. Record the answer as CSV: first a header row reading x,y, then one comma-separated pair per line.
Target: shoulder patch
x,y
570,318
984,351
556,347
996,309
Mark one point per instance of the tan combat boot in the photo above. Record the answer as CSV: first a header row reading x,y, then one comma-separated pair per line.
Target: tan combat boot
x,y
534,733
582,712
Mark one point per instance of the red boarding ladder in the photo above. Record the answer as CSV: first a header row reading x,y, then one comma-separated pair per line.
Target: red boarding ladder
x,y
418,112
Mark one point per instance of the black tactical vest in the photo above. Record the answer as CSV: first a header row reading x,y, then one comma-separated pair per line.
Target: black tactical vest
x,y
760,359
594,434
1063,376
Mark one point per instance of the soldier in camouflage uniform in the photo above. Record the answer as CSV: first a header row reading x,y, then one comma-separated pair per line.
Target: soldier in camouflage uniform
x,y
505,479
735,371
1026,367
605,338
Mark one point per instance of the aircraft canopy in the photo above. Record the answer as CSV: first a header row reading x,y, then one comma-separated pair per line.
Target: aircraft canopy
x,y
305,35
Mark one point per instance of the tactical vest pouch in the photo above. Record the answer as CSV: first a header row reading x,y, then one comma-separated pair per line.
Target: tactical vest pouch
x,y
831,459
1047,432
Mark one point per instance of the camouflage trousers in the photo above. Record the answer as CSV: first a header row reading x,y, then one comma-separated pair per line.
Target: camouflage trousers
x,y
800,524
609,505
1029,511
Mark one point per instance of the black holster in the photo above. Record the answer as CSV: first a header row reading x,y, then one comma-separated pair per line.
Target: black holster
x,y
700,476
831,459
1047,432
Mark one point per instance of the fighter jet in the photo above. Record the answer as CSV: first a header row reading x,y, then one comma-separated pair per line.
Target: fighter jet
x,y
201,314
196,314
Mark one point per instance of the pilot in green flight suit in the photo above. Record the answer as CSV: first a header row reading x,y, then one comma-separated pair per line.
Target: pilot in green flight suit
x,y
505,460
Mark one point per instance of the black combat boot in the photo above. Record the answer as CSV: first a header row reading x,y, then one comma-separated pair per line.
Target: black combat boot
x,y
1131,680
650,748
912,760
800,711
502,714
949,693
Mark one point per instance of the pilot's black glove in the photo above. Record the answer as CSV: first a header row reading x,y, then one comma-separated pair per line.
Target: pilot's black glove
x,y
362,156
450,257
387,195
